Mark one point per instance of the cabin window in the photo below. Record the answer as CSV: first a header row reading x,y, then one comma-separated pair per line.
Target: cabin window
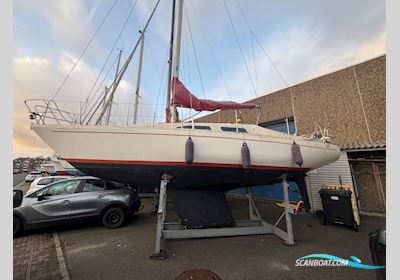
x,y
233,129
204,127
281,125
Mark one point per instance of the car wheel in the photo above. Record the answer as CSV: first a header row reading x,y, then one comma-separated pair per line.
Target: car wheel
x,y
114,217
17,226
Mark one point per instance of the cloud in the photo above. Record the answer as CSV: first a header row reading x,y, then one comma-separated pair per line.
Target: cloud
x,y
37,78
66,20
304,38
67,24
324,43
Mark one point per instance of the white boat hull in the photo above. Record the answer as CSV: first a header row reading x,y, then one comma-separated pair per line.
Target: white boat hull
x,y
140,155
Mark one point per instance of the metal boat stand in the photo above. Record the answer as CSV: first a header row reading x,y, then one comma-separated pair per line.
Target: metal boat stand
x,y
255,225
154,204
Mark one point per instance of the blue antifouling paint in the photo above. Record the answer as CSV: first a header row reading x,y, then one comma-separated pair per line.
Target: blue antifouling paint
x,y
274,191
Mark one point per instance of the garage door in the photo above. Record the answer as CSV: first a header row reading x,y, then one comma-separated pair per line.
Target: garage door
x,y
370,181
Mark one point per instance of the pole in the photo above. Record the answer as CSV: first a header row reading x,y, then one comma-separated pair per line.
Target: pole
x,y
171,53
104,98
289,227
80,112
138,80
177,51
287,125
112,94
178,39
126,64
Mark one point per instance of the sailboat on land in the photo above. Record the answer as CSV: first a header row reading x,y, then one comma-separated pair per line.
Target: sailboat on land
x,y
197,156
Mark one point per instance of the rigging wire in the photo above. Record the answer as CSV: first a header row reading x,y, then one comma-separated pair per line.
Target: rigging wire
x,y
211,52
86,102
272,63
241,50
261,46
270,60
186,64
98,89
148,46
190,117
84,50
126,64
186,52
112,49
254,63
251,42
195,53
184,57
160,87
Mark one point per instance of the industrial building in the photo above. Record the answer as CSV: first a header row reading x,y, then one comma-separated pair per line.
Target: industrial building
x,y
351,103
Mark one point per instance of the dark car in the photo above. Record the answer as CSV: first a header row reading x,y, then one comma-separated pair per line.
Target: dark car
x,y
377,247
74,199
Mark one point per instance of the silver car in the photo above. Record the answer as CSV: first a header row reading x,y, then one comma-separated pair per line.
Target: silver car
x,y
73,199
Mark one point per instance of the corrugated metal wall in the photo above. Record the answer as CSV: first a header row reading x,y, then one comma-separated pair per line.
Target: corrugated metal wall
x,y
328,174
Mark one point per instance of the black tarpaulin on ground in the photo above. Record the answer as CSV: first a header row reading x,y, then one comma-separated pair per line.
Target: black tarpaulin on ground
x,y
202,208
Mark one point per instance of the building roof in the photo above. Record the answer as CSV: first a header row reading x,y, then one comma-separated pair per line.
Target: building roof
x,y
364,145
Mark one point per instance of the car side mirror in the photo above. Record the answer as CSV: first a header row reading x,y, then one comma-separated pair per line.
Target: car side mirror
x,y
17,198
41,197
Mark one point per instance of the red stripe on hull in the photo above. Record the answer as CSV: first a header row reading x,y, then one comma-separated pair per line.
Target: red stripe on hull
x,y
174,163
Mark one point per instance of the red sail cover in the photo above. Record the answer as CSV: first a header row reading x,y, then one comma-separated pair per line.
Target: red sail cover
x,y
181,96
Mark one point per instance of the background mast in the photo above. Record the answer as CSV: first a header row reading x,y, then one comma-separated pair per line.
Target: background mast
x,y
171,53
139,75
177,51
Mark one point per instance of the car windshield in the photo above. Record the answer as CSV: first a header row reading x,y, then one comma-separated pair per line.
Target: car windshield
x,y
35,173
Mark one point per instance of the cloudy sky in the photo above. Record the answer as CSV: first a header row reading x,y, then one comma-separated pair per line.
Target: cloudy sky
x,y
220,59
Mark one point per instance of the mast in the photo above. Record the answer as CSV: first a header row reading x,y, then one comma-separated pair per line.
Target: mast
x,y
125,66
138,79
178,39
105,97
112,94
171,52
177,50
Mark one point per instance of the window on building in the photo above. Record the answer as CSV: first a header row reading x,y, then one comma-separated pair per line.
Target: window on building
x,y
281,125
233,129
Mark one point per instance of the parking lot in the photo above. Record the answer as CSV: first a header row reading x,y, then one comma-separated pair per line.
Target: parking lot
x,y
94,252
18,178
